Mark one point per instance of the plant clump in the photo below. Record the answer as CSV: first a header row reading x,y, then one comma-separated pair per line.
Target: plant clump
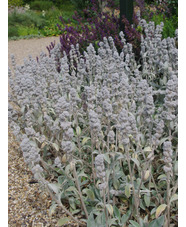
x,y
101,134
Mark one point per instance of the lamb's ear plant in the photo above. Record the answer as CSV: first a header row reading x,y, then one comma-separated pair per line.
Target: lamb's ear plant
x,y
101,135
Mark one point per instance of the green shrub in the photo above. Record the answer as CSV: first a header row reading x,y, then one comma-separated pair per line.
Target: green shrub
x,y
65,5
18,18
50,30
26,19
170,24
150,1
25,31
53,14
15,3
27,2
173,5
41,5
12,31
60,3
52,18
80,4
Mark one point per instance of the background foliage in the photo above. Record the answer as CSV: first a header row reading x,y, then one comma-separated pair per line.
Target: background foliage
x,y
15,3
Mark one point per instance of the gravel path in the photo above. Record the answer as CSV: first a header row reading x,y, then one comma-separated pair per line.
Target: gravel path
x,y
22,48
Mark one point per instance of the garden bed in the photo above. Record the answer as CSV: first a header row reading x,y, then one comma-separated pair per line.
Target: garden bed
x,y
99,129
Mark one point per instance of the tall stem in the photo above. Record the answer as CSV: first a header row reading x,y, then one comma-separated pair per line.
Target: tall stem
x,y
168,199
79,146
114,198
116,148
158,194
136,200
108,164
105,209
152,178
92,155
168,188
175,188
79,190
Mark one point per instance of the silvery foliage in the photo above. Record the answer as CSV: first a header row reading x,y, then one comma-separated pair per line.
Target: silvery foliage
x,y
106,98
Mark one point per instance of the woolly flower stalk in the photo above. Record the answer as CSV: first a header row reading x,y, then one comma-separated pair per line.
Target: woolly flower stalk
x,y
107,108
12,113
30,131
105,94
100,171
124,127
91,98
67,147
159,129
37,170
167,152
29,118
111,136
141,88
62,105
68,133
48,120
149,105
30,153
54,91
127,126
16,130
65,124
94,122
171,99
